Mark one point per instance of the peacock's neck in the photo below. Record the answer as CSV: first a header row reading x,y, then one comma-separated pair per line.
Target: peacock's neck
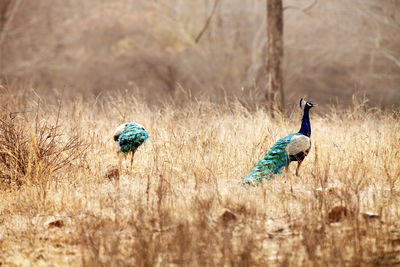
x,y
305,123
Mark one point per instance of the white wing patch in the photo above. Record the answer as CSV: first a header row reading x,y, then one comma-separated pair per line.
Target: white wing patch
x,y
298,143
119,130
139,125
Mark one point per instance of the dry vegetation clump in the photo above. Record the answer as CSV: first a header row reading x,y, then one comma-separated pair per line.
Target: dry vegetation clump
x,y
182,204
33,151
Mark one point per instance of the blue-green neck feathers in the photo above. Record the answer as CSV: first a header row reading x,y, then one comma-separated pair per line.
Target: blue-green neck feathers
x,y
305,122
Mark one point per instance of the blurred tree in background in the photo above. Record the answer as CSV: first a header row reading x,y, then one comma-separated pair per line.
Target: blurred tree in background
x,y
149,47
274,85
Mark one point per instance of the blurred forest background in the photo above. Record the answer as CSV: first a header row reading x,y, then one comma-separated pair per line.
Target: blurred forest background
x,y
331,51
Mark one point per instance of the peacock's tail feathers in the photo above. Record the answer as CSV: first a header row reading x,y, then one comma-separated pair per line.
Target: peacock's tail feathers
x,y
132,137
276,158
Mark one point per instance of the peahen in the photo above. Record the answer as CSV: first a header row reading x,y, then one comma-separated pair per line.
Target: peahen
x,y
293,147
130,136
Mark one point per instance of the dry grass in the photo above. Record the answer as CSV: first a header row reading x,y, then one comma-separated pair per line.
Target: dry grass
x,y
182,205
34,153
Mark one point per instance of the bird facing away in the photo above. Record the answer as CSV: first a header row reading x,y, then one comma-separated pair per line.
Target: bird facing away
x,y
130,136
293,147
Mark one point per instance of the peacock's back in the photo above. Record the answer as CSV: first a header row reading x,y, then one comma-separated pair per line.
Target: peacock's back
x,y
131,137
272,163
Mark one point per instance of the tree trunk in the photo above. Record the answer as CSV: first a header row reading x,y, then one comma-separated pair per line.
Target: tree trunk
x,y
274,86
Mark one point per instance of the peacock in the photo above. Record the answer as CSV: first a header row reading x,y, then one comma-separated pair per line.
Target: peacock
x,y
294,147
130,136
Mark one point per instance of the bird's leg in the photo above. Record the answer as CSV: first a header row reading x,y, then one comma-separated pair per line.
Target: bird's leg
x,y
125,163
120,163
298,167
132,154
287,162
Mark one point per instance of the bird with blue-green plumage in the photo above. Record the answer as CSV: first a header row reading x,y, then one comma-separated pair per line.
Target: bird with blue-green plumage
x,y
294,147
129,137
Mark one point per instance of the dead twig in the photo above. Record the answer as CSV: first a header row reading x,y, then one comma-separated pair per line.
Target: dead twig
x,y
304,10
8,21
216,3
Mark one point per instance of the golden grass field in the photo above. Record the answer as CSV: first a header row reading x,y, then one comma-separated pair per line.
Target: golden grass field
x,y
181,204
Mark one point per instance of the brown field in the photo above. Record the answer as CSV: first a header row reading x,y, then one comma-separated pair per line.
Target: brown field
x,y
71,71
181,204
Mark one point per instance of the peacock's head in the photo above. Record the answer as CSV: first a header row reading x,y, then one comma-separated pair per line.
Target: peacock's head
x,y
118,131
307,104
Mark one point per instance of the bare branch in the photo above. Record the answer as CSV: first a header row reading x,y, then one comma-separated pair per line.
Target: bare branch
x,y
14,10
310,6
305,10
388,55
4,5
207,21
